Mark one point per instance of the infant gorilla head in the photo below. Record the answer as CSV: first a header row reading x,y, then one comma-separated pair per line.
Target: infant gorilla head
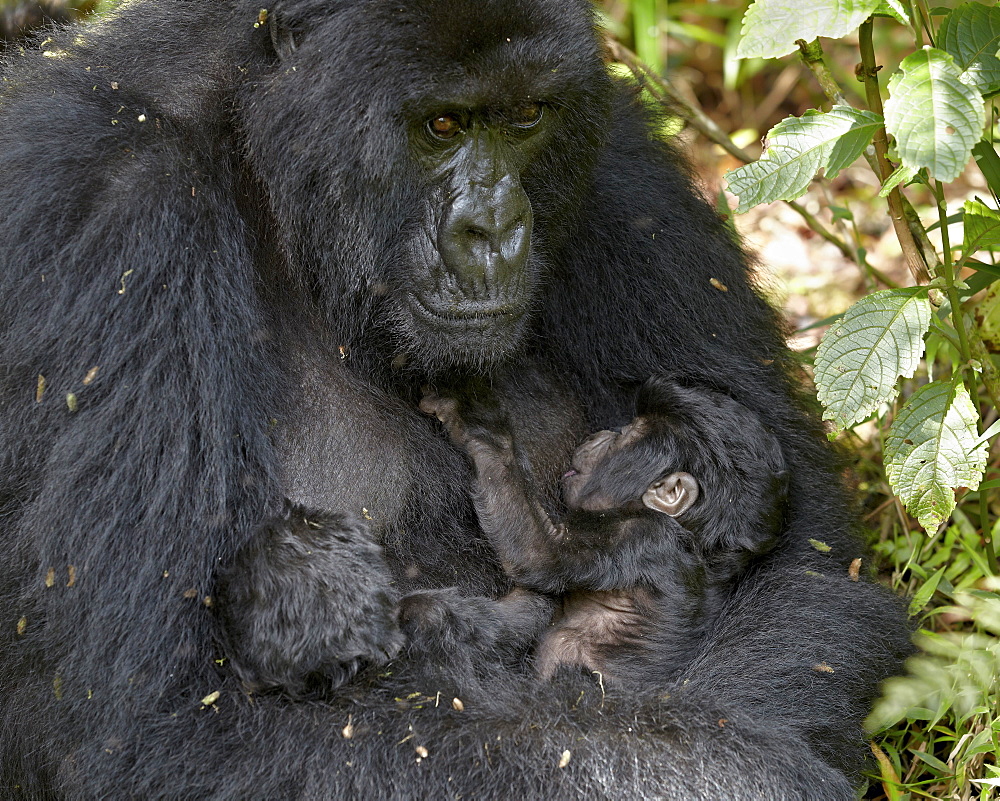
x,y
693,455
660,518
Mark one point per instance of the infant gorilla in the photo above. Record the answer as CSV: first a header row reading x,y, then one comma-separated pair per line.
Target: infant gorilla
x,y
659,519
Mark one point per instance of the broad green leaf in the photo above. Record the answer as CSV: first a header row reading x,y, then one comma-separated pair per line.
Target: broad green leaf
x,y
770,27
895,9
982,227
935,117
932,448
796,149
879,339
971,33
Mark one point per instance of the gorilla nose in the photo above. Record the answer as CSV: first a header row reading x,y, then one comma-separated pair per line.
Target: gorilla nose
x,y
486,236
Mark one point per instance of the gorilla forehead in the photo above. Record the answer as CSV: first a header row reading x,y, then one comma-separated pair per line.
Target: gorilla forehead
x,y
490,52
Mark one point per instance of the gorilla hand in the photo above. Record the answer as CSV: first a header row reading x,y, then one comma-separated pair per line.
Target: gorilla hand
x,y
306,602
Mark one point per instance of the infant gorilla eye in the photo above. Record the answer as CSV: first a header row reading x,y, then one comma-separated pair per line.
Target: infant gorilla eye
x,y
527,116
444,127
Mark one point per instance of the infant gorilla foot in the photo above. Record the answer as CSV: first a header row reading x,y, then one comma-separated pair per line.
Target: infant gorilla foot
x,y
306,602
445,622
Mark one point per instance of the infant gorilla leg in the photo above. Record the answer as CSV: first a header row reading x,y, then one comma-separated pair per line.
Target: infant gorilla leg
x,y
306,603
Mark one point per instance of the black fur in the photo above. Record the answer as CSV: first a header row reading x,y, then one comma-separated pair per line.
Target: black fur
x,y
222,233
300,635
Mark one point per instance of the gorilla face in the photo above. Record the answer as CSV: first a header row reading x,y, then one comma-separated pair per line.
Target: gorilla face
x,y
454,165
474,271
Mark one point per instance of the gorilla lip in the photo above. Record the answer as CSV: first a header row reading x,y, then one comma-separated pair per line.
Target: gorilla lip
x,y
467,313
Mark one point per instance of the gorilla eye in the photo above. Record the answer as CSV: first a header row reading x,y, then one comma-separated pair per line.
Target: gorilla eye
x,y
444,127
527,115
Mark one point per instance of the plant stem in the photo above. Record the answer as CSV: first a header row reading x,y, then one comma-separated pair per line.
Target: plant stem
x,y
947,272
812,57
907,241
984,524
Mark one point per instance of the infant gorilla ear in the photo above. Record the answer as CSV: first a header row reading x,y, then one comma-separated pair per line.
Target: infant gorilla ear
x,y
286,620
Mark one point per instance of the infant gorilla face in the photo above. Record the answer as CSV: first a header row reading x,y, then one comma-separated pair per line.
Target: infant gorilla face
x,y
612,470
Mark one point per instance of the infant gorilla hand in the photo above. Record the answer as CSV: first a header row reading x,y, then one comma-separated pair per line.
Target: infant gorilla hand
x,y
469,425
306,602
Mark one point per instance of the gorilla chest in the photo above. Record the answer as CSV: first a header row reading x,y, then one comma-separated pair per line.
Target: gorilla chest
x,y
345,446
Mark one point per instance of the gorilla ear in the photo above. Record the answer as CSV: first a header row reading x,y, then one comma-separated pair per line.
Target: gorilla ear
x,y
673,495
282,38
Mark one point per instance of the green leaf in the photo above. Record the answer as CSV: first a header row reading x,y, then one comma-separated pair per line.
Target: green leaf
x,y
879,339
901,175
932,448
925,592
770,27
796,149
982,227
971,33
989,163
935,117
895,9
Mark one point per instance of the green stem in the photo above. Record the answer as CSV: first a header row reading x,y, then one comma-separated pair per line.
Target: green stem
x,y
984,524
947,272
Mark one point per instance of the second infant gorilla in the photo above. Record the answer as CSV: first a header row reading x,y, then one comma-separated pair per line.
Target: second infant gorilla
x,y
659,519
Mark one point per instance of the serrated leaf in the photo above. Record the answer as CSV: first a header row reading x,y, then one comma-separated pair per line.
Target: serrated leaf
x,y
935,117
932,448
861,357
796,148
894,9
971,33
770,27
982,227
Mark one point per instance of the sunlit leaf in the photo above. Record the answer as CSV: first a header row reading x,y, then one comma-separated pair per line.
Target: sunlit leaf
x,y
797,147
771,27
861,357
932,448
935,117
895,9
971,33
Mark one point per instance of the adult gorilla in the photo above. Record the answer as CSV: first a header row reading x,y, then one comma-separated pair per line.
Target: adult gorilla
x,y
232,251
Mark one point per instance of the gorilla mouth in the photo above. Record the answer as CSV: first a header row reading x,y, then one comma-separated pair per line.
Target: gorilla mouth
x,y
465,312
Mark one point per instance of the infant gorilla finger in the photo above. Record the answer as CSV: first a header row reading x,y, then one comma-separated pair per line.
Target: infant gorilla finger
x,y
306,603
445,410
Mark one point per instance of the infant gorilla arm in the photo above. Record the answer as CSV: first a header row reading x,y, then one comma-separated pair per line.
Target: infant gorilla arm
x,y
643,556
